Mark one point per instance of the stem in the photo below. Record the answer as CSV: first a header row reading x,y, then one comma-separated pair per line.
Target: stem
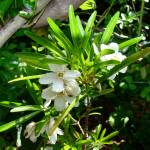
x,y
141,17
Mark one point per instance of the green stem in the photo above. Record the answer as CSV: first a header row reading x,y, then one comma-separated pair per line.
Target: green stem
x,y
141,17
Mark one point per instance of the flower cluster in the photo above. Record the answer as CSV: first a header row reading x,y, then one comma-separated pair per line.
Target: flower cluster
x,y
62,86
116,55
30,131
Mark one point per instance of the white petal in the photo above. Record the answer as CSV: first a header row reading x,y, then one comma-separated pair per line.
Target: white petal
x,y
71,74
96,51
72,87
103,46
123,70
59,131
57,68
47,78
33,138
58,85
53,138
113,76
60,103
114,46
69,99
48,94
47,103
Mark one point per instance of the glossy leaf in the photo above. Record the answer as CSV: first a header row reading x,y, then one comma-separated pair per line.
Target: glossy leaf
x,y
38,60
10,104
74,29
63,41
16,122
88,29
130,42
25,78
45,43
110,28
27,108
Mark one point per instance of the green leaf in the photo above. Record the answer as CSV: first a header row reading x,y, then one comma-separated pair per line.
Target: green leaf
x,y
45,43
64,114
27,108
130,42
88,4
98,130
110,28
16,122
60,37
126,62
88,29
38,60
102,134
74,29
10,104
4,6
25,78
110,136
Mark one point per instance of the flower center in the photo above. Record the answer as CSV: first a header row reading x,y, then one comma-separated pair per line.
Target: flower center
x,y
60,74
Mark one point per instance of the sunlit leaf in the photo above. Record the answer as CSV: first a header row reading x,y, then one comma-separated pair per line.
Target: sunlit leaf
x,y
110,28
45,43
27,108
38,60
16,122
10,104
129,42
25,78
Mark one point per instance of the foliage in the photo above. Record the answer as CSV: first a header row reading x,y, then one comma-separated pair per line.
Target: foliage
x,y
123,110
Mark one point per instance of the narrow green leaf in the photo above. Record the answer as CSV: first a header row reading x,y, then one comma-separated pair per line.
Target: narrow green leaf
x,y
16,122
98,130
25,78
110,28
45,43
102,134
60,36
130,42
38,60
110,136
88,29
80,26
10,104
106,91
126,62
74,29
64,114
4,6
27,108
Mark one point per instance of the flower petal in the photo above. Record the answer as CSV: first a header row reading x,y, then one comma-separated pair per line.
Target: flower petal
x,y
114,46
47,78
71,74
58,85
72,87
47,103
123,70
53,138
60,103
59,131
48,94
57,68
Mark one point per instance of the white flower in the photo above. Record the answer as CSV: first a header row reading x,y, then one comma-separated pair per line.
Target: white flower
x,y
58,76
47,128
61,100
114,56
30,132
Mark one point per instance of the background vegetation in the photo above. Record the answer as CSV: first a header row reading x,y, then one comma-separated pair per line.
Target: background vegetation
x,y
127,109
